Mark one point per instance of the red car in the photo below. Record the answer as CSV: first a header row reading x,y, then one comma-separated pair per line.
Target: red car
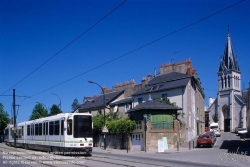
x,y
207,139
207,129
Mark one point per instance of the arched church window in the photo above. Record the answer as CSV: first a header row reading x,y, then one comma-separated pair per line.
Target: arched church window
x,y
225,81
228,78
222,82
234,83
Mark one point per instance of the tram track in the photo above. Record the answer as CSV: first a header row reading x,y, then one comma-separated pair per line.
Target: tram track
x,y
38,157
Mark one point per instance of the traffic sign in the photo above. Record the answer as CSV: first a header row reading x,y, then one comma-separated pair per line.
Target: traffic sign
x,y
105,129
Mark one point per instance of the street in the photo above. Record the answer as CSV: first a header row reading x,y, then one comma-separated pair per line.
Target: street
x,y
229,150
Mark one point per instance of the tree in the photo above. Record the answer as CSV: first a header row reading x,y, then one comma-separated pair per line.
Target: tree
x,y
98,123
74,105
121,126
38,112
54,110
4,119
165,100
215,117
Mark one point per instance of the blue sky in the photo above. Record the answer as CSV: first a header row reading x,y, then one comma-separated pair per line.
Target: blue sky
x,y
32,32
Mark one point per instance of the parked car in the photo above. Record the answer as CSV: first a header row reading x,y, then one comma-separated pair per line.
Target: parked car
x,y
207,129
242,132
237,129
215,127
206,139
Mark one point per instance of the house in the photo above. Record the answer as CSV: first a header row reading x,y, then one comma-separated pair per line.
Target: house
x,y
183,90
229,107
246,97
162,123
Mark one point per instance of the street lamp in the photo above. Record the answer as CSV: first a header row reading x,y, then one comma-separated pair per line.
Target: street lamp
x,y
103,109
59,99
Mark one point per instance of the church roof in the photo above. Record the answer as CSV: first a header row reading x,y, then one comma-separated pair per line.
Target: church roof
x,y
240,99
228,61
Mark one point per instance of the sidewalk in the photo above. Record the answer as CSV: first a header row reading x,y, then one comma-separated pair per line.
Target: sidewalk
x,y
183,148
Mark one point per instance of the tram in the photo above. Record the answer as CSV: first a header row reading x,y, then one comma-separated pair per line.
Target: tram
x,y
61,133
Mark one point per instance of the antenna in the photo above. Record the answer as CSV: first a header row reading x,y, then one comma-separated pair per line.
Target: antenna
x,y
172,56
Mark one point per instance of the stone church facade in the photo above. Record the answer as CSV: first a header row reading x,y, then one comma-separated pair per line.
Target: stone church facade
x,y
229,106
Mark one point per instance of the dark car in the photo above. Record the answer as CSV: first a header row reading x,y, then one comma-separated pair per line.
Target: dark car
x,y
206,139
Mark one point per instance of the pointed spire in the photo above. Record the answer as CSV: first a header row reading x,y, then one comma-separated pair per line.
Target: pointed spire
x,y
228,61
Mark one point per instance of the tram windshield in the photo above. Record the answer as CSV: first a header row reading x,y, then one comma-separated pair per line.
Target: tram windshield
x,y
82,126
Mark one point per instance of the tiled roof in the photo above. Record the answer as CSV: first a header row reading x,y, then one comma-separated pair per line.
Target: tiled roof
x,y
122,101
98,102
163,86
152,104
168,77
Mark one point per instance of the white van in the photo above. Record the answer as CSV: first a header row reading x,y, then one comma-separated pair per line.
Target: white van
x,y
215,128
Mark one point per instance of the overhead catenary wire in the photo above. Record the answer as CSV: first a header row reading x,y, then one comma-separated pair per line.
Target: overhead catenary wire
x,y
142,46
70,43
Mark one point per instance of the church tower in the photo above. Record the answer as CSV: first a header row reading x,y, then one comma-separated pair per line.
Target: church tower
x,y
229,72
229,105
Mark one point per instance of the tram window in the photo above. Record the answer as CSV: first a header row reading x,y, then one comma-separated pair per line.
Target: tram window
x,y
28,130
69,127
36,129
57,128
51,128
82,126
40,129
22,130
62,126
47,128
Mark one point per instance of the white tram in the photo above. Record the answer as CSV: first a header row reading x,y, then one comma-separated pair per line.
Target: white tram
x,y
66,132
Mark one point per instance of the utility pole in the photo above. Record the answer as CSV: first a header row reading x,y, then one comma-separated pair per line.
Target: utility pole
x,y
14,110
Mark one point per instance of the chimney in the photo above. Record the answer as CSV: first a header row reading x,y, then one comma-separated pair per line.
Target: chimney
x,y
143,82
104,89
150,76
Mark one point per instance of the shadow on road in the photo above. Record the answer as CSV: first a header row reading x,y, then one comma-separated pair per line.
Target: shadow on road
x,y
236,146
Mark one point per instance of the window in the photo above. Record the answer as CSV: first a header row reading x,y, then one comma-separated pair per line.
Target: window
x,y
82,126
51,128
222,82
40,128
47,128
28,130
62,127
164,121
164,96
22,130
57,128
140,100
69,127
36,129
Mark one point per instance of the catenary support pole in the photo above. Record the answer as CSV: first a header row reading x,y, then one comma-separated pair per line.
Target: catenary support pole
x,y
14,110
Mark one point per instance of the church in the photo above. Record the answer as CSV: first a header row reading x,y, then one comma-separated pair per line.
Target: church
x,y
229,108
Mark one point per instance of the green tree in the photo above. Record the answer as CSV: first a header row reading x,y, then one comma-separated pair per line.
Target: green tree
x,y
165,100
4,119
98,123
215,117
54,110
121,126
74,105
38,112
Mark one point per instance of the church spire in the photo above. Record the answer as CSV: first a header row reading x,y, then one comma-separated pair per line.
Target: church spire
x,y
228,61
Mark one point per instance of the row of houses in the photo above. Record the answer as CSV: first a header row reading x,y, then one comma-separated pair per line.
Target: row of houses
x,y
181,123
